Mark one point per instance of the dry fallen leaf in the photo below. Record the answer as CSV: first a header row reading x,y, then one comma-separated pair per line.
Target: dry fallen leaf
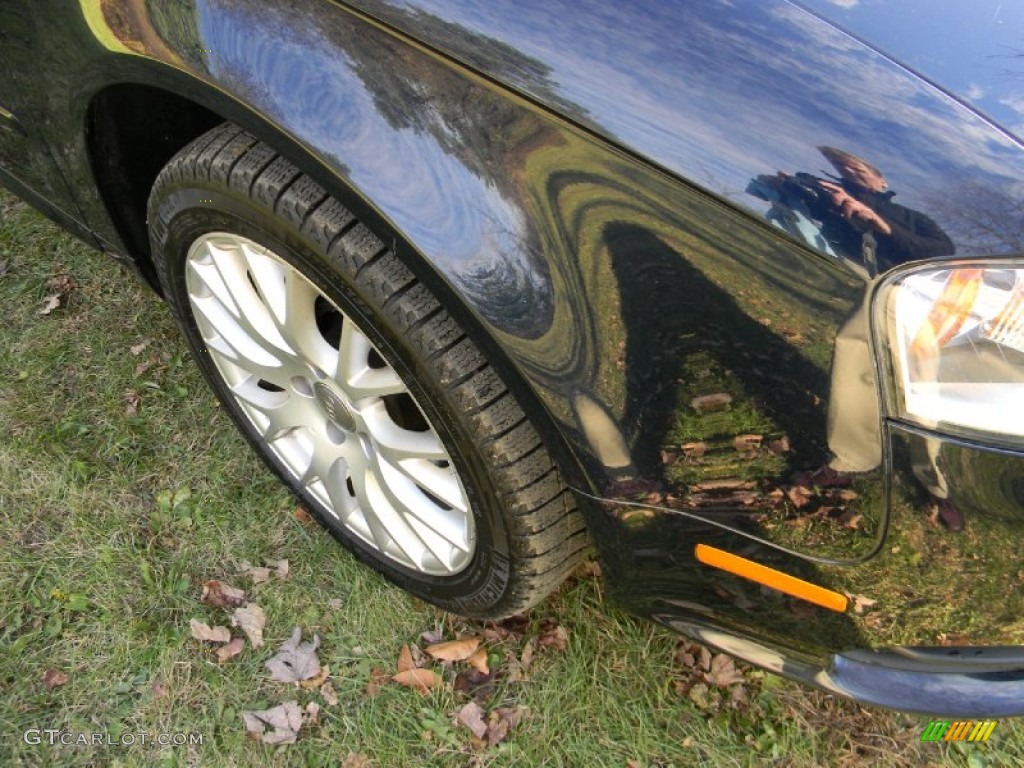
x,y
303,516
723,672
745,443
319,679
282,567
477,685
472,716
353,760
232,649
432,636
256,573
799,496
526,658
503,720
251,618
479,661
136,349
50,303
708,403
454,650
285,720
329,694
553,635
295,660
861,603
203,632
420,679
221,595
378,676
54,678
131,402
405,660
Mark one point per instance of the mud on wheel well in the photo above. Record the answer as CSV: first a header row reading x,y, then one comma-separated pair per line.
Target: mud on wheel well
x,y
132,131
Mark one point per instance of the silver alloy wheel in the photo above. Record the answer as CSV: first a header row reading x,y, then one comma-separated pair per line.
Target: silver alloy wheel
x,y
328,405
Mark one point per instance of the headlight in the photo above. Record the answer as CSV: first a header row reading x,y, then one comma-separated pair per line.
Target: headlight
x,y
955,337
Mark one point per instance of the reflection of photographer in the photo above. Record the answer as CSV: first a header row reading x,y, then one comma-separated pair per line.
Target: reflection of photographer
x,y
854,217
854,214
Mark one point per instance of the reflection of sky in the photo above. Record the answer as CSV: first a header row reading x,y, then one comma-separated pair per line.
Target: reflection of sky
x,y
300,78
975,48
723,90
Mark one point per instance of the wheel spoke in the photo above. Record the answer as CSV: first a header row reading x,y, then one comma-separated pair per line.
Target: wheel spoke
x,y
409,500
383,520
438,481
354,372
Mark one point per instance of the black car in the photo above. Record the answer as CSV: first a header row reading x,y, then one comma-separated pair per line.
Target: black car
x,y
727,290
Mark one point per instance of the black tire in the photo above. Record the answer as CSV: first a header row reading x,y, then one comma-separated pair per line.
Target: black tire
x,y
529,534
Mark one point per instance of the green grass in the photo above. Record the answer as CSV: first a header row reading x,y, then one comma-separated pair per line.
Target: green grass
x,y
103,554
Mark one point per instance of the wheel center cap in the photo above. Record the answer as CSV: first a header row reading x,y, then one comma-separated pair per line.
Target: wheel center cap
x,y
334,407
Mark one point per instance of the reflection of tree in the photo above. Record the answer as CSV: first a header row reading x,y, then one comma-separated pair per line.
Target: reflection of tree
x,y
176,24
489,134
500,60
982,219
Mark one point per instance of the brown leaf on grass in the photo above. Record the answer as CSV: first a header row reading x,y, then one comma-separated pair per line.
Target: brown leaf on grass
x,y
479,661
553,635
232,649
221,595
526,657
851,519
454,650
251,618
312,713
405,660
282,568
694,450
747,443
256,573
723,672
432,636
136,349
861,603
295,661
709,403
422,680
131,402
472,716
284,722
330,696
476,684
50,303
205,633
353,760
54,678
303,516
142,367
847,495
378,676
799,495
502,721
318,680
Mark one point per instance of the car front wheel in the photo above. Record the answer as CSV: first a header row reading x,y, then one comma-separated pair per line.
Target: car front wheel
x,y
355,385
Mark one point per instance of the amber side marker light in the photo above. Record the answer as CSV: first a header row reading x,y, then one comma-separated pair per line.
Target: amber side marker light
x,y
762,574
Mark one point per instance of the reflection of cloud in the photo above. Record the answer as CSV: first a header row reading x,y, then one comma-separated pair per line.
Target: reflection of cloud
x,y
845,3
975,92
1015,102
